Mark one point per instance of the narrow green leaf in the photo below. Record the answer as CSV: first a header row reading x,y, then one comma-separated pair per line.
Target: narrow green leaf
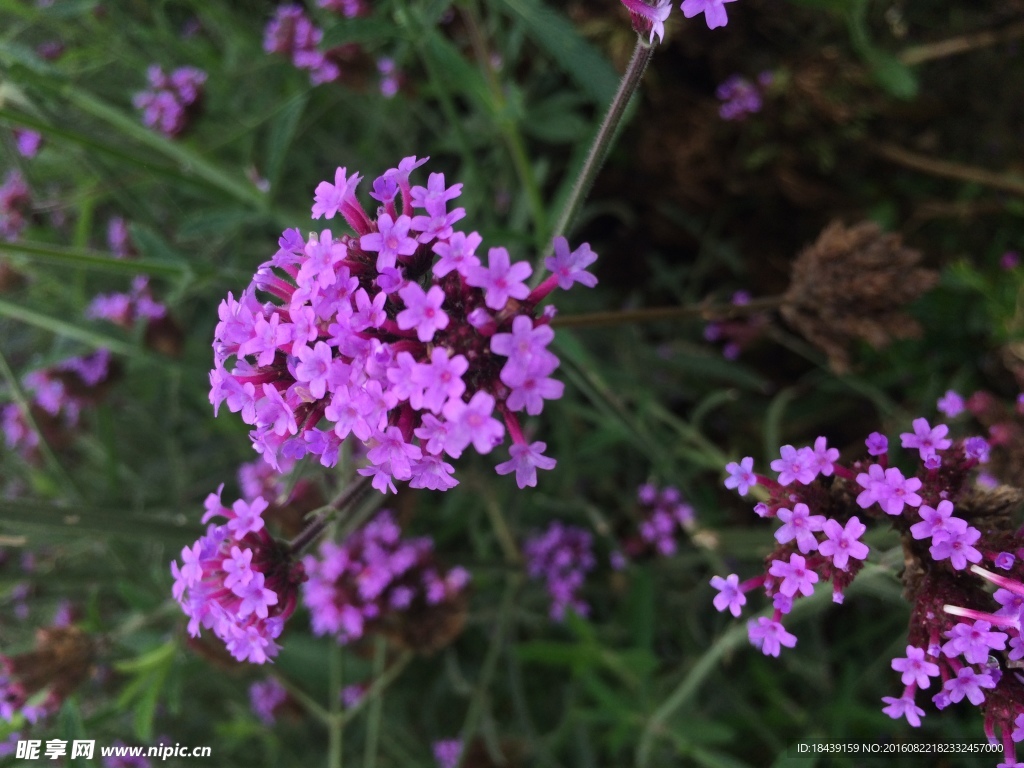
x,y
559,37
66,329
92,260
280,137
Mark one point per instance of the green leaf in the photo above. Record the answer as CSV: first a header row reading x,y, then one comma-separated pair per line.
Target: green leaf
x,y
365,29
92,260
559,37
555,121
892,74
280,137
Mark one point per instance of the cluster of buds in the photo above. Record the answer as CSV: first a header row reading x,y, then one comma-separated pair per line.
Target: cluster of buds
x,y
390,77
291,33
663,517
57,395
376,581
238,580
562,555
14,206
373,337
171,100
33,685
956,539
267,698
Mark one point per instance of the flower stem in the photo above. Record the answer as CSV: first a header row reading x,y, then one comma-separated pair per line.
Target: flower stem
x,y
702,310
605,135
348,497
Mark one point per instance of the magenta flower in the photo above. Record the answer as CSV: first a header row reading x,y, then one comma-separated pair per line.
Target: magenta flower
x,y
933,520
973,641
562,555
168,103
925,438
422,311
968,683
770,636
877,444
568,267
795,576
915,668
957,546
649,19
842,543
951,404
741,476
795,465
713,10
458,254
824,457
331,198
729,594
799,524
903,707
525,461
500,279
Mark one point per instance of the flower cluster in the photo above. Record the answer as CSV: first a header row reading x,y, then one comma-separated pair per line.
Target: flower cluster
x,y
238,581
14,206
736,334
291,33
266,697
124,309
33,685
171,100
561,555
56,395
663,516
740,97
119,239
649,17
959,633
373,337
376,581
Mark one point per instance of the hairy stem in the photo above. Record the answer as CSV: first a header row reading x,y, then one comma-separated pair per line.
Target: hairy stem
x,y
347,498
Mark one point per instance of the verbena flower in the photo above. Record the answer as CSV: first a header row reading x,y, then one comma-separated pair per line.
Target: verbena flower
x,y
265,697
238,581
739,98
171,99
27,142
713,10
562,555
368,335
378,581
291,33
14,206
663,516
952,534
447,752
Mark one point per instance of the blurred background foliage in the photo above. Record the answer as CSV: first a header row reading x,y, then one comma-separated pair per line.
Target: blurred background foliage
x,y
906,114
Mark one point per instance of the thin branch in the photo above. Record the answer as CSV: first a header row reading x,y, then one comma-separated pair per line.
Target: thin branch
x,y
950,170
704,310
919,54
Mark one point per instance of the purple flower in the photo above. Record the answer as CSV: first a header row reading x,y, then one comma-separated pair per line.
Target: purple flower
x,y
729,594
500,279
842,543
739,98
957,546
649,19
390,241
877,444
976,448
973,641
314,367
447,753
915,668
329,199
968,683
525,461
795,465
889,488
741,476
925,438
1005,561
472,423
770,636
713,10
27,142
936,519
265,696
422,311
458,254
795,576
903,707
799,524
951,404
569,268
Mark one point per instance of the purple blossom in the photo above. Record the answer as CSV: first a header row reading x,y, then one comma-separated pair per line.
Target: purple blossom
x,y
951,404
422,311
562,555
525,461
968,683
973,641
842,543
976,448
500,279
795,575
649,18
713,10
739,98
903,707
915,668
569,268
447,753
877,444
741,476
799,524
925,438
265,696
889,488
770,636
795,465
458,254
957,546
729,594
27,142
933,520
